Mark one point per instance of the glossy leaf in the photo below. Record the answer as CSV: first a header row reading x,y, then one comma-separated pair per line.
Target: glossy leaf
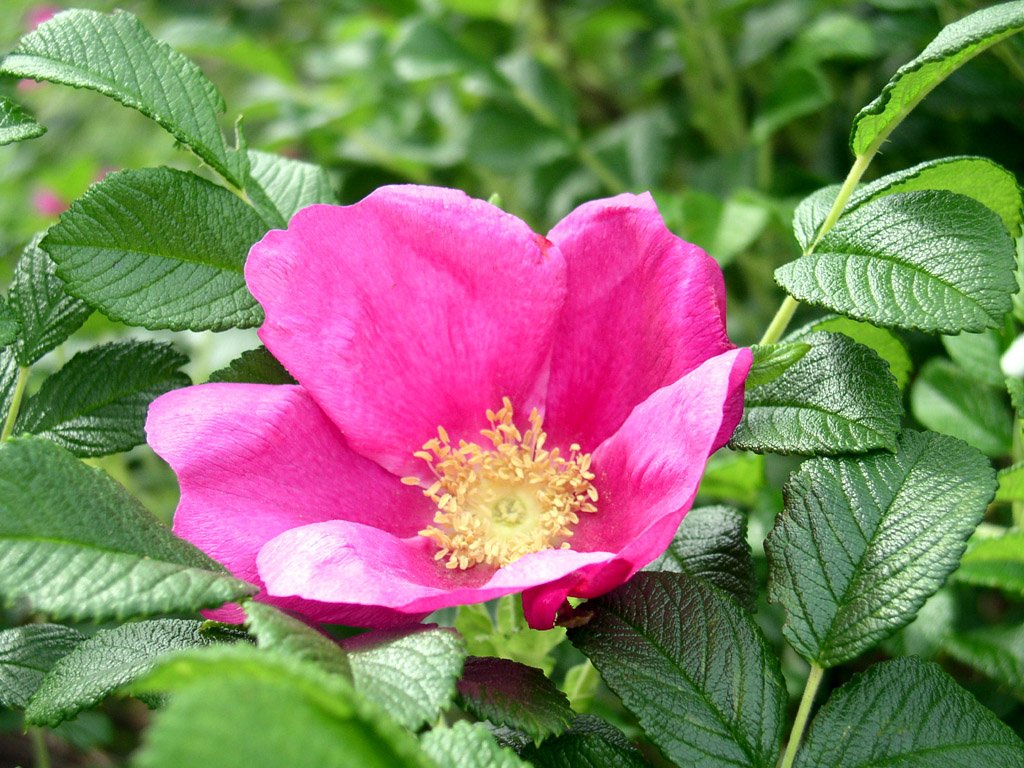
x,y
254,366
589,743
16,124
886,343
468,745
772,360
26,654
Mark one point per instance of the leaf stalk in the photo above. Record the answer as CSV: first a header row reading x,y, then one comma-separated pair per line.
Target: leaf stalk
x,y
802,714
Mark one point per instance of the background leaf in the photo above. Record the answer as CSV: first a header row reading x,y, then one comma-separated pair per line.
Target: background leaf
x,y
278,632
996,562
16,124
26,654
996,651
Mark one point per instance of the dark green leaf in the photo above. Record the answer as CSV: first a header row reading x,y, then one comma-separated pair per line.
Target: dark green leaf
x,y
161,249
468,745
712,543
254,366
39,299
26,655
283,712
911,714
10,325
115,55
934,261
772,360
589,743
883,341
508,141
8,379
996,562
996,651
952,47
507,693
839,398
97,403
862,543
16,124
75,544
944,398
276,631
798,91
692,666
288,185
105,662
410,674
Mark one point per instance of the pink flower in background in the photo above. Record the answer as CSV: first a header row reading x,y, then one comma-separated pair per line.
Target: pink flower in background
x,y
481,410
40,14
46,202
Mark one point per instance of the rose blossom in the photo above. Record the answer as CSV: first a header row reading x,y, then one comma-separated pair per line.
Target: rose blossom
x,y
480,410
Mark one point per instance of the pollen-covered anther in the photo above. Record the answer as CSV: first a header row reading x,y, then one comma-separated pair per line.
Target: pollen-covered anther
x,y
499,502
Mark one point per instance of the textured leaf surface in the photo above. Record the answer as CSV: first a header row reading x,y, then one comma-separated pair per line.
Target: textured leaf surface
x,y
951,48
772,360
254,366
75,544
10,325
589,743
283,712
410,675
26,655
693,668
468,745
512,694
106,661
997,563
838,398
996,651
278,632
911,714
289,185
97,403
161,249
45,310
934,261
886,343
115,55
862,543
16,124
812,212
712,543
945,398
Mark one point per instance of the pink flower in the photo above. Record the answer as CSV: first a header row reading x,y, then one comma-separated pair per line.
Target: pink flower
x,y
40,14
46,202
481,410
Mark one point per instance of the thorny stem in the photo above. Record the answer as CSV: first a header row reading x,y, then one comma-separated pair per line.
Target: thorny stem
x,y
800,724
19,393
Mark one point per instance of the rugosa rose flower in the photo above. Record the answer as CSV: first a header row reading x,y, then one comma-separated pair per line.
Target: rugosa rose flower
x,y
480,410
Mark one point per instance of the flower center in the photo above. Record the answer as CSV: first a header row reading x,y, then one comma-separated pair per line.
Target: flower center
x,y
499,502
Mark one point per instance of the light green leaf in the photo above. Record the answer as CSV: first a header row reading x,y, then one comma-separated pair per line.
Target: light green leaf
x,y
287,185
589,743
105,662
734,476
996,651
26,655
883,341
944,398
863,542
996,563
507,693
75,544
811,213
254,366
1011,483
909,713
934,261
278,632
16,124
978,355
772,360
506,634
468,745
692,666
838,398
113,54
161,249
97,403
412,675
711,543
953,47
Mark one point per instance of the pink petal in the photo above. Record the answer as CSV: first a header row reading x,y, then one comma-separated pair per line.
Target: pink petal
x,y
255,460
414,308
643,308
353,564
647,475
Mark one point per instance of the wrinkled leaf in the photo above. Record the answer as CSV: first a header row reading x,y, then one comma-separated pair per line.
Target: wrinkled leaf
x,y
278,632
26,654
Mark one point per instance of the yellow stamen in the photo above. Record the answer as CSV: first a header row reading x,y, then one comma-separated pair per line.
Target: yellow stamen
x,y
498,503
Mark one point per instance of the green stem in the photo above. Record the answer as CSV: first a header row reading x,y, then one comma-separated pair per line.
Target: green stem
x,y
802,715
1017,508
19,393
780,322
40,754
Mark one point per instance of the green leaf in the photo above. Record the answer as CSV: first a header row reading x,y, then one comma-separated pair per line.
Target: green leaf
x,y
507,693
288,185
26,655
10,325
468,745
8,379
839,398
589,743
75,544
115,55
934,261
16,124
862,543
105,662
161,249
944,398
996,563
506,634
798,91
40,301
734,476
953,47
692,666
278,632
723,228
712,543
412,675
909,713
1011,483
978,355
508,141
97,403
883,341
996,651
254,366
811,213
282,712
772,360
